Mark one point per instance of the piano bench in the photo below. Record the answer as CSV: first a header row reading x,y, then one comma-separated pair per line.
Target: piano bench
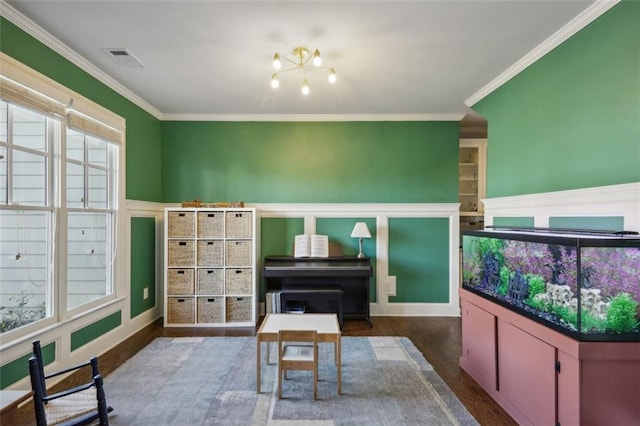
x,y
311,293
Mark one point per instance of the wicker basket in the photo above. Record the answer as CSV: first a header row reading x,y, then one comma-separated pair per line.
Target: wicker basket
x,y
180,310
238,281
210,281
181,253
210,309
238,253
210,253
180,281
211,224
181,224
239,309
239,224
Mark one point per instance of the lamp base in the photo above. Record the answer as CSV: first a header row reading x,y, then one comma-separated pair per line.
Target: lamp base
x,y
360,254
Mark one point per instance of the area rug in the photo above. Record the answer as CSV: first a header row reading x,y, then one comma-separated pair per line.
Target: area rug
x,y
212,381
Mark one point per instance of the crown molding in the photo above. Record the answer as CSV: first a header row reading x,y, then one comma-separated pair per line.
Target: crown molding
x,y
31,28
312,117
587,16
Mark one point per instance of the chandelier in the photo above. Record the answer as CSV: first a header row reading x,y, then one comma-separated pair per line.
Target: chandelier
x,y
300,62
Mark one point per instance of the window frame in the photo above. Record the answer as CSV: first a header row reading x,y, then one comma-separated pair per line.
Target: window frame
x,y
92,119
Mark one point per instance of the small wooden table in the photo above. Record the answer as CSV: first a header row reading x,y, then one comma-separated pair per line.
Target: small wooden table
x,y
9,401
326,326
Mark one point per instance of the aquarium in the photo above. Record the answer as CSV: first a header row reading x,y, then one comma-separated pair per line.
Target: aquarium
x,y
585,284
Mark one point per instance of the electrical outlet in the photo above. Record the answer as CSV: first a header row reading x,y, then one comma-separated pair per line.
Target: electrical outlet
x,y
391,286
145,293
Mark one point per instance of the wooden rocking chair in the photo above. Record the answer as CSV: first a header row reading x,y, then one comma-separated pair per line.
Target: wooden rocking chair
x,y
79,405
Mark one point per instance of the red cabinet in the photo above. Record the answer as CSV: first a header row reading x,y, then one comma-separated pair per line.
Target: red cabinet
x,y
542,377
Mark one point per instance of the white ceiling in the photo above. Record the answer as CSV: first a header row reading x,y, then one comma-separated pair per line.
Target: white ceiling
x,y
392,58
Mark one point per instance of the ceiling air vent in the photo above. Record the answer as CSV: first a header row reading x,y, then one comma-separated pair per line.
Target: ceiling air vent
x,y
124,57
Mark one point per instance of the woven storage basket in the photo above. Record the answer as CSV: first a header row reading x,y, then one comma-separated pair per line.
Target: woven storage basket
x,y
180,310
210,281
239,309
210,253
181,253
239,224
238,281
181,224
180,281
238,253
210,309
211,224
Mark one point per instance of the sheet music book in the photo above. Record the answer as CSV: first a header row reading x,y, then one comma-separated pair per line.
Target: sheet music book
x,y
311,245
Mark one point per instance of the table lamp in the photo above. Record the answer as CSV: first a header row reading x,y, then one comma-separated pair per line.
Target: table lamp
x,y
360,231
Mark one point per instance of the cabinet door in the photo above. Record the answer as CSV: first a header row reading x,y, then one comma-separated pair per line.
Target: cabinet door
x,y
479,344
527,375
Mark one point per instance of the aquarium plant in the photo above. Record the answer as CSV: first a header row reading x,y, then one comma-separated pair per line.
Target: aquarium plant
x,y
537,285
530,258
621,317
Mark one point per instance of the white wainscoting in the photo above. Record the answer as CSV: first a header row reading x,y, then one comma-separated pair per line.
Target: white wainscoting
x,y
613,200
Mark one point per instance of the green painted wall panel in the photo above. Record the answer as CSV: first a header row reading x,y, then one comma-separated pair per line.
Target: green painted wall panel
x,y
143,154
92,331
607,223
276,239
337,162
572,119
143,264
514,221
419,259
17,369
339,231
277,235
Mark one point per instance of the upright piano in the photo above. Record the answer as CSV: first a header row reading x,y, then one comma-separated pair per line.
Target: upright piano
x,y
351,273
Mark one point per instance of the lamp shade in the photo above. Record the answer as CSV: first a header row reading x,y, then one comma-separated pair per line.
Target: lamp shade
x,y
360,231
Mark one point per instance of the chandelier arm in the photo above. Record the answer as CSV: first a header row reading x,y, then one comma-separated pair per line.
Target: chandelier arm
x,y
286,70
290,61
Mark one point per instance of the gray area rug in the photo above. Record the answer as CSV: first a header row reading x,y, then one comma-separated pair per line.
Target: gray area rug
x,y
212,381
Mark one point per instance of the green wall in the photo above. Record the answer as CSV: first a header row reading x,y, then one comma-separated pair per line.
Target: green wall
x,y
336,162
15,370
339,231
143,153
419,259
572,119
143,264
94,330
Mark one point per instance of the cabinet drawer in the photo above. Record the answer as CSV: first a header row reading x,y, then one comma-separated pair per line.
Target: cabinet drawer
x,y
238,281
180,281
181,252
210,224
210,281
238,253
181,224
239,224
210,253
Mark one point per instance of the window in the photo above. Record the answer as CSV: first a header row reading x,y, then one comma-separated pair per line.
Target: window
x,y
26,213
90,216
59,198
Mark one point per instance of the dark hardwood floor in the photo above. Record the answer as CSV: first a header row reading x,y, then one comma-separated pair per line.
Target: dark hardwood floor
x,y
438,338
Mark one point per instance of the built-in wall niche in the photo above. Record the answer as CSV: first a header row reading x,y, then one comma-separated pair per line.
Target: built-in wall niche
x,y
472,176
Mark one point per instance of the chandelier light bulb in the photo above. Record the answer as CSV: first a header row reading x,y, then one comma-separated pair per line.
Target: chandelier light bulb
x,y
317,60
277,63
305,87
332,75
275,83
